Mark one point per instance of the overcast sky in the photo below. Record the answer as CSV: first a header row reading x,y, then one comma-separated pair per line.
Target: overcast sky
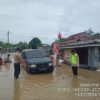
x,y
26,19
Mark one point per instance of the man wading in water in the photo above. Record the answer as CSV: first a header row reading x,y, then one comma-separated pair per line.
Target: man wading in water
x,y
17,61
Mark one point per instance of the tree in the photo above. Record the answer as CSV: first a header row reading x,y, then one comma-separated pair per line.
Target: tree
x,y
89,32
1,43
35,42
60,40
96,35
6,45
22,45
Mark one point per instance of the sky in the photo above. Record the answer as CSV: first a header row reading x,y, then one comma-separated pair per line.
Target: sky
x,y
26,19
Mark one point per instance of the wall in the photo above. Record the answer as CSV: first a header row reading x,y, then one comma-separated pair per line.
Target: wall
x,y
93,57
91,62
96,56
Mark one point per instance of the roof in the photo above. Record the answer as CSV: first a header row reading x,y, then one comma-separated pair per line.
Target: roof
x,y
78,37
83,39
87,43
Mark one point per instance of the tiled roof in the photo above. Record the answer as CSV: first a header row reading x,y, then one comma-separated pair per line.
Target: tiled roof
x,y
94,42
77,37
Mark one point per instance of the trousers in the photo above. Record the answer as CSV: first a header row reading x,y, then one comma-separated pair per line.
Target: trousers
x,y
75,70
16,70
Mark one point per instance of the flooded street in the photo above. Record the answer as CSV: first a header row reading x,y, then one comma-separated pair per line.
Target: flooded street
x,y
59,85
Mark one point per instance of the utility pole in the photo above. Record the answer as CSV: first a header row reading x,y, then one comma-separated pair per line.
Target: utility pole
x,y
8,36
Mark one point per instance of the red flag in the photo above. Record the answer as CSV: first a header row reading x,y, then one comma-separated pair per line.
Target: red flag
x,y
59,35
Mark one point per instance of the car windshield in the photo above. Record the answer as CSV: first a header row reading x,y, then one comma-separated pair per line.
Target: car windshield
x,y
36,54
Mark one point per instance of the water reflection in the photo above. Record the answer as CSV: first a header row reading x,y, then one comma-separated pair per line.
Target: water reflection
x,y
75,84
16,90
7,66
0,68
31,86
43,86
38,80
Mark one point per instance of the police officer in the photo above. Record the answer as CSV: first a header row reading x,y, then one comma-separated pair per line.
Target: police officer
x,y
74,62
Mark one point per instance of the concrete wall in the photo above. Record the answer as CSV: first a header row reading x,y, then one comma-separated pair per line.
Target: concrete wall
x,y
93,57
96,56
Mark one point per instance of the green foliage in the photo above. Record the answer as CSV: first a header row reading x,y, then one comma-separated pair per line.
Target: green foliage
x,y
5,45
1,43
22,45
60,40
35,42
96,35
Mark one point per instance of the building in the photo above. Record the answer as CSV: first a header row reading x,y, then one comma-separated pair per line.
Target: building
x,y
86,45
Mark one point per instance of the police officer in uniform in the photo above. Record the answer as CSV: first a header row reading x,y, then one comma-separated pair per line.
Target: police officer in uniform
x,y
74,62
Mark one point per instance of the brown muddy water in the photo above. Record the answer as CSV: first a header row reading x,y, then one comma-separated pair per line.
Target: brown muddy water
x,y
59,85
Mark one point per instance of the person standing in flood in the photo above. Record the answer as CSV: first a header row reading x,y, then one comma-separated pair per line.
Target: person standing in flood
x,y
17,61
74,62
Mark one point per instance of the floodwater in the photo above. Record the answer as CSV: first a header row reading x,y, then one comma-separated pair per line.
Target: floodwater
x,y
59,85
